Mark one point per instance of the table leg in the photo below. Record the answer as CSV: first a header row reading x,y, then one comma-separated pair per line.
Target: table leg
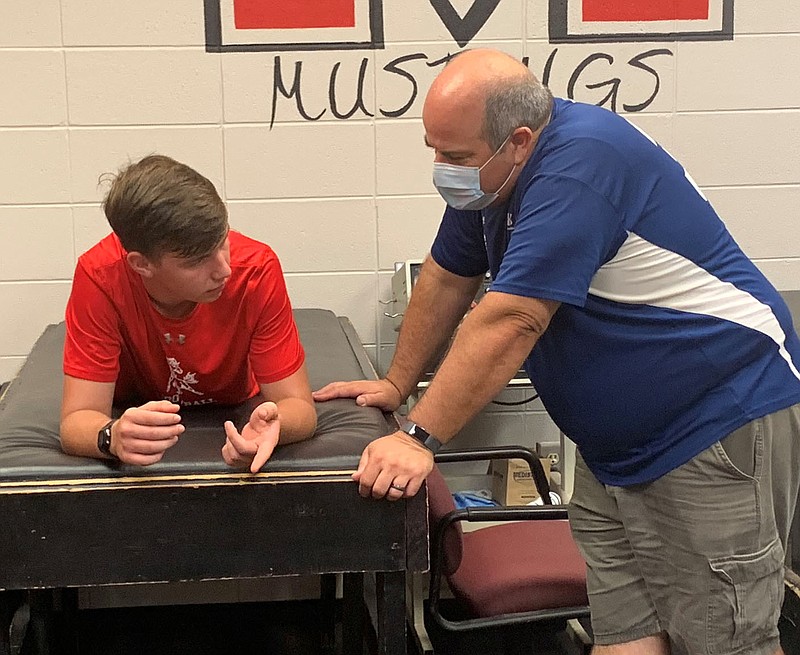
x,y
327,621
68,621
6,612
391,601
40,628
353,613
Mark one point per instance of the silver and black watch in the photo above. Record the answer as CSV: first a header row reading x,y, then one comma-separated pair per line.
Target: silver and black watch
x,y
104,439
422,435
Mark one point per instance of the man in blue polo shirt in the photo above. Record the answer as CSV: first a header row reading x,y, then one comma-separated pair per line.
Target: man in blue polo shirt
x,y
660,349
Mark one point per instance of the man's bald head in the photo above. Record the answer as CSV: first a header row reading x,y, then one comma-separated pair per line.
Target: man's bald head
x,y
479,69
493,88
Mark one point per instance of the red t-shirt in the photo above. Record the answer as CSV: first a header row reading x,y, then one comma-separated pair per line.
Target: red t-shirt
x,y
219,353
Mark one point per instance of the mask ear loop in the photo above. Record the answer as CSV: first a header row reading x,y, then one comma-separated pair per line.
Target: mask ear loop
x,y
496,152
510,173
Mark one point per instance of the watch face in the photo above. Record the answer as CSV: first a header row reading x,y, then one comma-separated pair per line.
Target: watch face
x,y
419,433
104,439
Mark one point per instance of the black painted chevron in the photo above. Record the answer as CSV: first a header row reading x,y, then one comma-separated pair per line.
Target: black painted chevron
x,y
464,29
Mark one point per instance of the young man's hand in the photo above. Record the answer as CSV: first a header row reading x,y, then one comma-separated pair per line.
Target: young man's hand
x,y
142,434
257,440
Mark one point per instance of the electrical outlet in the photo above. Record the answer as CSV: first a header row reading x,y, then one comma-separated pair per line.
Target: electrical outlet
x,y
550,450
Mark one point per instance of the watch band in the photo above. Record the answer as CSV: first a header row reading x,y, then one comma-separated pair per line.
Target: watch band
x,y
104,439
422,435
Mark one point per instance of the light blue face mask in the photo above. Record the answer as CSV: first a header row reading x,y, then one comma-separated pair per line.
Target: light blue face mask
x,y
460,186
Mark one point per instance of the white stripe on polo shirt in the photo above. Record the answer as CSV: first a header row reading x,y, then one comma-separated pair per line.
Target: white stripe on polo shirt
x,y
644,273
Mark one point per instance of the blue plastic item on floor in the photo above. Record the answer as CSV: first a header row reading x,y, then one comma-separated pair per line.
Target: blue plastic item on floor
x,y
464,499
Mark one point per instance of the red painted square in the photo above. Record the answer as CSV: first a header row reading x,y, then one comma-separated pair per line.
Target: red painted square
x,y
644,10
293,14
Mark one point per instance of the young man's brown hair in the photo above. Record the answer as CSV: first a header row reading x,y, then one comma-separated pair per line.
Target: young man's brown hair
x,y
158,206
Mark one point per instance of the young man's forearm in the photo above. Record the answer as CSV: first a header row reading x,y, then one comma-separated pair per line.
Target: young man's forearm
x,y
298,419
79,432
438,302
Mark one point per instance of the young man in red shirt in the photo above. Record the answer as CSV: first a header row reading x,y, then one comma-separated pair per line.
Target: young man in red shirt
x,y
173,309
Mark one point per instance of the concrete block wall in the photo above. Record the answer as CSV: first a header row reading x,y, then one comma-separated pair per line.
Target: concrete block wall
x,y
318,150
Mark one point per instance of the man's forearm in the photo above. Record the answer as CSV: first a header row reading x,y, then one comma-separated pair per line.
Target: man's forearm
x,y
438,302
491,344
298,420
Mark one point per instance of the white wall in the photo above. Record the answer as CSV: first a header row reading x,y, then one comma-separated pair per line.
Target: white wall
x,y
88,84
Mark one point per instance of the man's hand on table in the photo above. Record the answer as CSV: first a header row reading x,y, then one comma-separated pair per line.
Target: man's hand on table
x,y
393,467
257,440
142,434
368,393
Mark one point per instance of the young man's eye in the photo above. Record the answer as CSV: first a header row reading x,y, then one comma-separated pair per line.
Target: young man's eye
x,y
194,262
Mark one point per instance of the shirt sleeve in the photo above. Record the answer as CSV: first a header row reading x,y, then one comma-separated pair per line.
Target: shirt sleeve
x,y
459,246
275,350
92,342
564,232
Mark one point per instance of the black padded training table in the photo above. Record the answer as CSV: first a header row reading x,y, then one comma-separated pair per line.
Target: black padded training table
x,y
70,522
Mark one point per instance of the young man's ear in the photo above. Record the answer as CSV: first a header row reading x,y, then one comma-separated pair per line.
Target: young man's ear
x,y
140,264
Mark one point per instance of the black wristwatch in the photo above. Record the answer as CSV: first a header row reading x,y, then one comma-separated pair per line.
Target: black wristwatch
x,y
104,439
422,435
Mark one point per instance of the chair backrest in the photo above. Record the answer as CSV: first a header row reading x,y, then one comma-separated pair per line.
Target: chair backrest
x,y
440,504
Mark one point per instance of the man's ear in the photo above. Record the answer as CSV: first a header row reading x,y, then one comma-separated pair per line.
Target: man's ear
x,y
140,264
523,141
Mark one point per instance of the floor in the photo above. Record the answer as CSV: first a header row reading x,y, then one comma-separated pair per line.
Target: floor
x,y
263,628
298,627
202,629
219,629
289,627
542,639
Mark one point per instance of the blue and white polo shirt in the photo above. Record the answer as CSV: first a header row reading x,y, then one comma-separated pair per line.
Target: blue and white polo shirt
x,y
668,337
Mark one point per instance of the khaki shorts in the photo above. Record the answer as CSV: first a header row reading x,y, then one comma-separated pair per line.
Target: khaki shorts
x,y
699,552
